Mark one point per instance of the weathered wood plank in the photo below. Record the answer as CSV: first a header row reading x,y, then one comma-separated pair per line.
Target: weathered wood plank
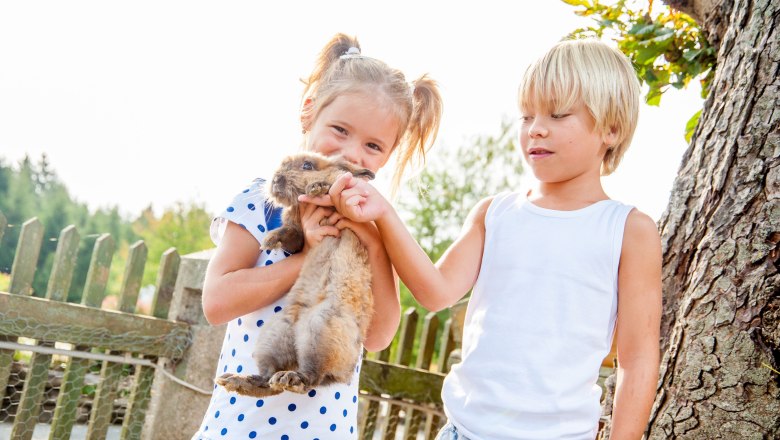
x,y
55,321
35,383
134,273
403,356
103,403
99,268
29,406
416,418
110,373
446,345
138,402
400,382
26,258
67,400
22,274
75,369
166,281
135,414
367,423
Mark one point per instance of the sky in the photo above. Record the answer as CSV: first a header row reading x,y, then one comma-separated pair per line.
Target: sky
x,y
159,102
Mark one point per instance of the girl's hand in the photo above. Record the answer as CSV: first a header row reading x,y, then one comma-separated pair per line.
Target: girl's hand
x,y
352,197
317,223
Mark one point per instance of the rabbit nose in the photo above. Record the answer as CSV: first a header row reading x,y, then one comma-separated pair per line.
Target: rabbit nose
x,y
277,183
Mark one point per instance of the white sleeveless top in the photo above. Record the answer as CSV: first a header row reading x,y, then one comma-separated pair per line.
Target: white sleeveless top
x,y
539,322
326,413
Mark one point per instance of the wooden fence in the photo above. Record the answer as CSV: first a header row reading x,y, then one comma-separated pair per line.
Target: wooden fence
x,y
121,370
96,368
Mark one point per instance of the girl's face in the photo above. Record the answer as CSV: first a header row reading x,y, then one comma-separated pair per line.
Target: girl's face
x,y
358,127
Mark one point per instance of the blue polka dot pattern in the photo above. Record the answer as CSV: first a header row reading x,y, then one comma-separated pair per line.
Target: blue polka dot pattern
x,y
297,416
250,206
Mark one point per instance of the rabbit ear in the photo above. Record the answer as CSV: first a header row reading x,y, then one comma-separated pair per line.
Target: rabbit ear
x,y
368,174
357,172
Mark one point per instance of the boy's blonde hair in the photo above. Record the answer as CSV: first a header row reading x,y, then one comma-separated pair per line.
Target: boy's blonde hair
x,y
417,106
595,74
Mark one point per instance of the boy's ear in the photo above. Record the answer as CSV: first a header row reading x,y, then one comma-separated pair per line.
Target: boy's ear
x,y
306,116
611,137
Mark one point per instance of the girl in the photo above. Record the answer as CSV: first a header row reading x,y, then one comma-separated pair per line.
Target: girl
x,y
356,107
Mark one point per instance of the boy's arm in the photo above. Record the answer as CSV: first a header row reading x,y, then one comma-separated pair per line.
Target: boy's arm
x,y
638,327
433,286
438,286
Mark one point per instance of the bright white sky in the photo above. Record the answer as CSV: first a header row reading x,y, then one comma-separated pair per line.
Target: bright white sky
x,y
154,102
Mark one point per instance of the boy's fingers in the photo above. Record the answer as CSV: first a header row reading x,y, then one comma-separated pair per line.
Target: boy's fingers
x,y
323,200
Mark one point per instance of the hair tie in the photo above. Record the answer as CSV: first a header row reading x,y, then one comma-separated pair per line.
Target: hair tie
x,y
352,52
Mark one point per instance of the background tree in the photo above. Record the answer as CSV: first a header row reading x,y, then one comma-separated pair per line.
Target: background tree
x,y
720,232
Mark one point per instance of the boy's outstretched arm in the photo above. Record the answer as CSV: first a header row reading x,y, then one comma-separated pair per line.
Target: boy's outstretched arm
x,y
638,327
435,287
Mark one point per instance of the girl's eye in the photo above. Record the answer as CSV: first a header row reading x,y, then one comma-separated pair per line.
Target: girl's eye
x,y
374,146
339,129
307,166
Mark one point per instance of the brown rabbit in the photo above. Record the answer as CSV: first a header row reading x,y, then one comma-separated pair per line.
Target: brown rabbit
x,y
318,337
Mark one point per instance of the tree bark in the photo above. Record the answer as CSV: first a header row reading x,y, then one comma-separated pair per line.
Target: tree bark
x,y
720,236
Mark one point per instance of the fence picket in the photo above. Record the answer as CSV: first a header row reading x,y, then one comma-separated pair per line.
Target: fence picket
x,y
403,356
57,290
446,345
135,414
416,418
76,369
110,373
367,422
22,274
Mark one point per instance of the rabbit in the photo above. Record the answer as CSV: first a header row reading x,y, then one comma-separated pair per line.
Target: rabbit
x,y
318,337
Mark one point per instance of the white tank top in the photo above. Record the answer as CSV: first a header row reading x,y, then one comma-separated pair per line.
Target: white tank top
x,y
539,322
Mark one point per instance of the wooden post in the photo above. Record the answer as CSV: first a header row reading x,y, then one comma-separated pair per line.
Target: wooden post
x,y
175,412
110,373
403,356
138,402
76,369
22,274
38,373
415,418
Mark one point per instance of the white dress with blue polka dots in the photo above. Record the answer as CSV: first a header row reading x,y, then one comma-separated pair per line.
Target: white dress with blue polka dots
x,y
324,413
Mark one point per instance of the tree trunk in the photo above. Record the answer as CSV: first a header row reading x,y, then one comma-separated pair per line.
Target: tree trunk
x,y
720,237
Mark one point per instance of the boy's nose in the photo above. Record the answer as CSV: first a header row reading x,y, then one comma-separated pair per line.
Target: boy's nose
x,y
537,129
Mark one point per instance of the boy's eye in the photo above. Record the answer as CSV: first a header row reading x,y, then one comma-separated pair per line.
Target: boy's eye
x,y
559,115
307,166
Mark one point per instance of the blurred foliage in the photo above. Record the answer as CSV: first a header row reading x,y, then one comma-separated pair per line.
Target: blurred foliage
x,y
32,189
666,46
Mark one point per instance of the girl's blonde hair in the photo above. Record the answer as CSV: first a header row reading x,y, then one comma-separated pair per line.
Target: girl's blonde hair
x,y
417,106
595,74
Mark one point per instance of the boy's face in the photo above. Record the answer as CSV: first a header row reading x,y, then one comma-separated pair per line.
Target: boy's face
x,y
562,146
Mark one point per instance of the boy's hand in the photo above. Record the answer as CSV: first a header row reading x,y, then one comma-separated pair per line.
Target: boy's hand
x,y
352,197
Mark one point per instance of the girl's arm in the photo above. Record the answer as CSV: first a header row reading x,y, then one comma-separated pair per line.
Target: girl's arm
x,y
638,327
384,286
234,286
433,286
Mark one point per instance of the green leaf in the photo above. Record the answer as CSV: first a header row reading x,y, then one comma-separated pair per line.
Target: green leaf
x,y
653,97
689,55
642,29
585,3
690,126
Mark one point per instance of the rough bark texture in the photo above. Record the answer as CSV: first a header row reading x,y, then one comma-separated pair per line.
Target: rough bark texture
x,y
720,237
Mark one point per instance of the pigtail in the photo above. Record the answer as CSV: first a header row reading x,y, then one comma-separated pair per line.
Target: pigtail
x,y
330,54
422,128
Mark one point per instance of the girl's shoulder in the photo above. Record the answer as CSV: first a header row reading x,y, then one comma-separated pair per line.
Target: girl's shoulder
x,y
250,209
